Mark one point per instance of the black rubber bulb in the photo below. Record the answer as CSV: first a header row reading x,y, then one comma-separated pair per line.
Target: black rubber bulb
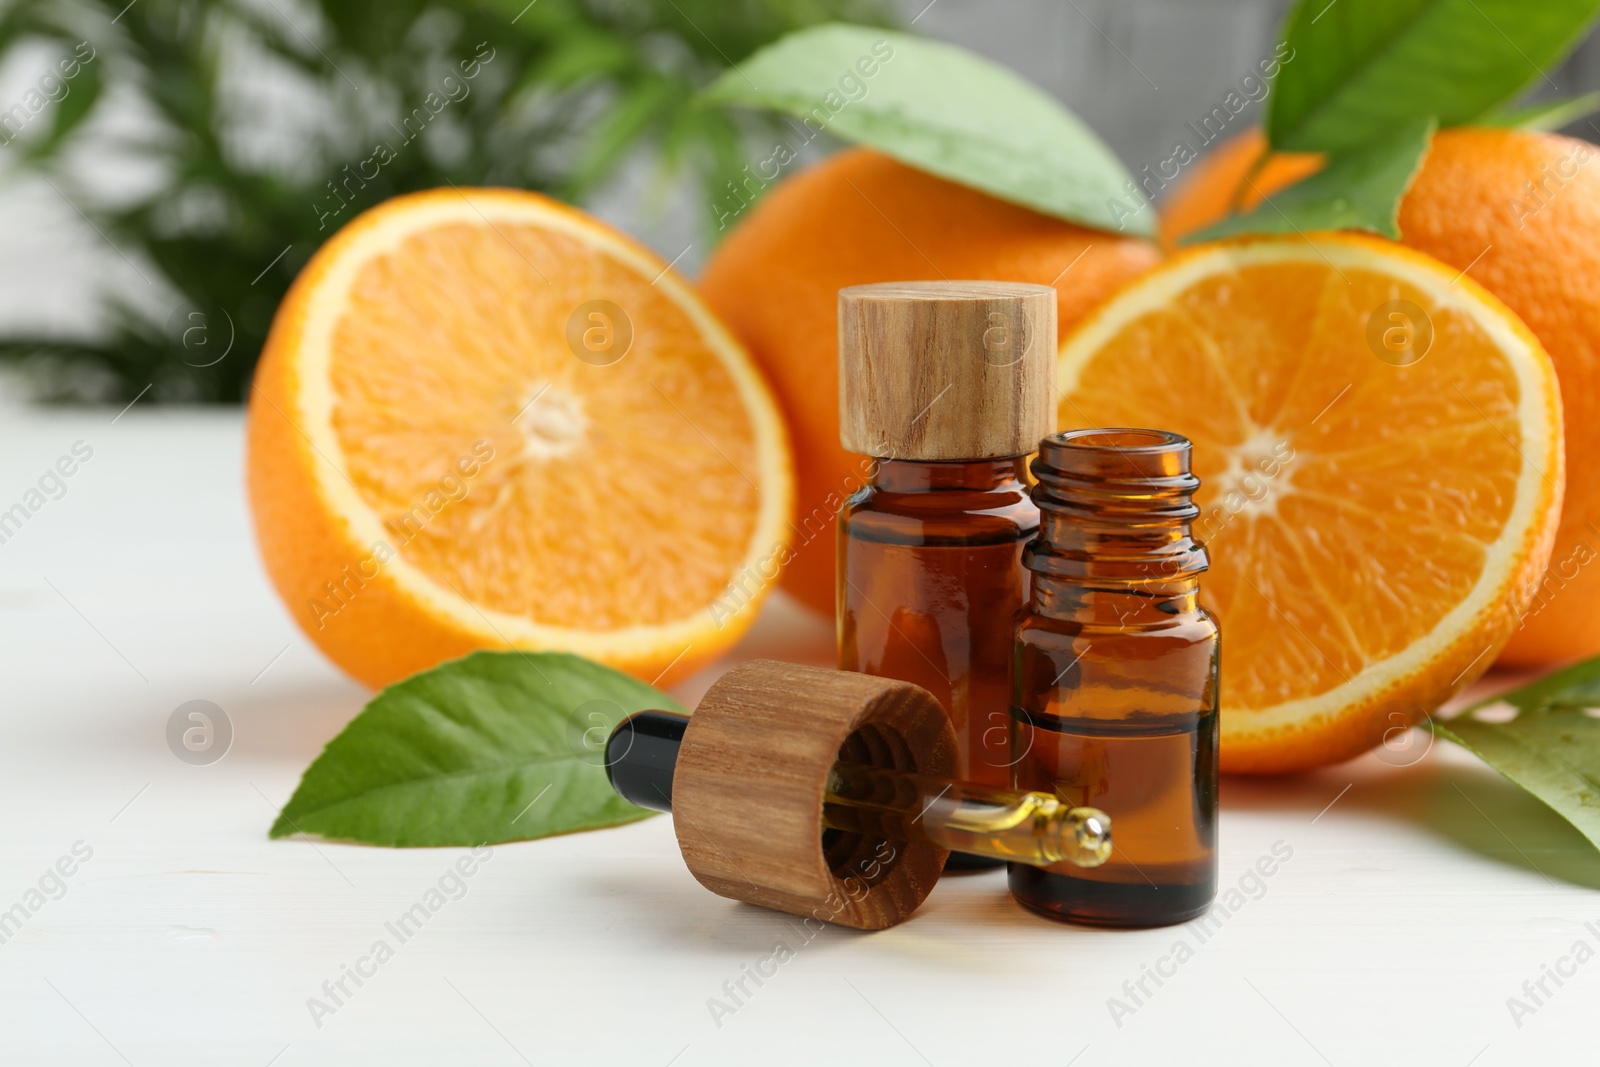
x,y
642,753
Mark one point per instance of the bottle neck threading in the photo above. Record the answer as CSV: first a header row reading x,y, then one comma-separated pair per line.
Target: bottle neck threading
x,y
1115,507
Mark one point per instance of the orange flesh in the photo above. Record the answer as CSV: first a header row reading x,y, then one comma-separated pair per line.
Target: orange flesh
x,y
458,337
1400,477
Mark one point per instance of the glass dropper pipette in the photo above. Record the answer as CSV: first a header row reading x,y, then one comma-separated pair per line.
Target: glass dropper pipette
x,y
1033,828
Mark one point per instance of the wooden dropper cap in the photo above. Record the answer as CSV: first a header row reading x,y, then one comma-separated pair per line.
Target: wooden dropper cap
x,y
936,371
752,771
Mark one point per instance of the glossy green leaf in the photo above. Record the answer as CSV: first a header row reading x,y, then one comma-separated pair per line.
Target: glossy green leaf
x,y
1357,190
1360,68
497,746
1552,746
944,110
1545,114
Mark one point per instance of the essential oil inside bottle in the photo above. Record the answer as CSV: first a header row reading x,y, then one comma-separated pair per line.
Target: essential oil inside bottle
x,y
933,579
1115,694
947,386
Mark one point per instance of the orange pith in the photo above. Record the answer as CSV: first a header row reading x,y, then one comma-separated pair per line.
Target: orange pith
x,y
1374,528
422,399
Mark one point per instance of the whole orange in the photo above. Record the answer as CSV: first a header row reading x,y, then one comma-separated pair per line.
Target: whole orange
x,y
1519,211
860,217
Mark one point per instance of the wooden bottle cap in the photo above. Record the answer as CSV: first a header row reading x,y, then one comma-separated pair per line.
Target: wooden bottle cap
x,y
752,772
946,370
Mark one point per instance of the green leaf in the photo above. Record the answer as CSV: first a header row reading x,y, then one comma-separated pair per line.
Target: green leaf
x,y
586,55
1545,114
497,746
944,110
83,92
1357,190
1360,67
1551,748
614,136
1577,687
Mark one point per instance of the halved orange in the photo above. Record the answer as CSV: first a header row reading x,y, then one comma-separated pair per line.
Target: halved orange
x,y
485,419
1379,443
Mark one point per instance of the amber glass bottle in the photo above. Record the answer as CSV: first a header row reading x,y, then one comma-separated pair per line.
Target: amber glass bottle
x,y
947,386
1115,700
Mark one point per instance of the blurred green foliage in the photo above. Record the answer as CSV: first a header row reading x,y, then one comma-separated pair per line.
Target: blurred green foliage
x,y
260,123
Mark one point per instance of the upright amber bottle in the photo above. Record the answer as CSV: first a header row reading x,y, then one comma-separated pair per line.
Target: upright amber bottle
x,y
947,386
1116,677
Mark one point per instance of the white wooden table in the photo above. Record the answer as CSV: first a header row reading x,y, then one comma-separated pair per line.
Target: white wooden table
x,y
1416,901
